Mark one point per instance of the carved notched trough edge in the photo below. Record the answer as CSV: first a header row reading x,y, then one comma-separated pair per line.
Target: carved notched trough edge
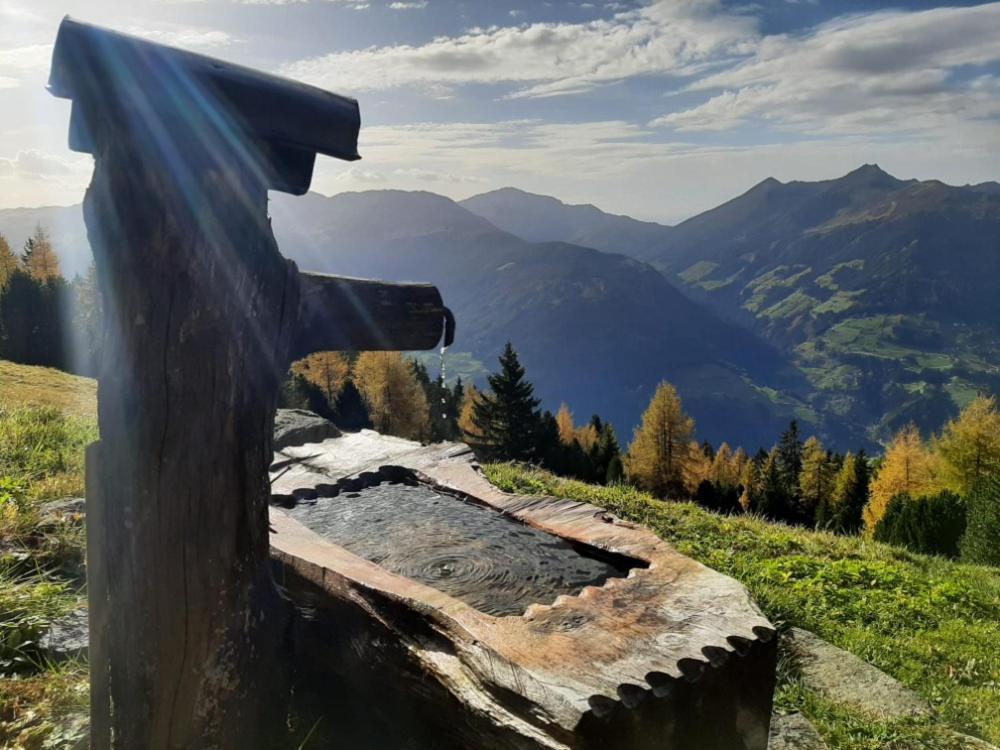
x,y
671,621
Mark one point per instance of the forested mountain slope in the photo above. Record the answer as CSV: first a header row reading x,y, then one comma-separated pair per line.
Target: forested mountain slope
x,y
883,291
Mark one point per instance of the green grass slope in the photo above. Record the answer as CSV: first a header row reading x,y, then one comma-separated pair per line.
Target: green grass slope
x,y
931,623
46,420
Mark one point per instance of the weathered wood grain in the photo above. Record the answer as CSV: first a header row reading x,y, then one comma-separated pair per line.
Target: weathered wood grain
x,y
675,655
187,635
338,313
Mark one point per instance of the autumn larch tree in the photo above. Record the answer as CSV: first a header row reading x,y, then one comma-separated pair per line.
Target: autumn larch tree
x,y
396,403
907,468
816,477
969,446
328,371
564,420
39,258
8,262
506,416
660,451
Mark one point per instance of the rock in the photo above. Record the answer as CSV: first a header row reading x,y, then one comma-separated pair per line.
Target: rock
x,y
794,732
68,506
298,427
843,678
67,638
973,743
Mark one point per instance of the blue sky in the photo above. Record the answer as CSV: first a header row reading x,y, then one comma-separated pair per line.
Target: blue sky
x,y
656,109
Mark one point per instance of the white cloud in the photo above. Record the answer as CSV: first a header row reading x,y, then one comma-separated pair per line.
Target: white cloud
x,y
675,37
430,175
890,72
33,164
624,168
413,5
18,13
28,58
189,37
6,82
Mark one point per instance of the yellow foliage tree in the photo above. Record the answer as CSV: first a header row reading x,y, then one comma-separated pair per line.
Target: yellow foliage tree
x,y
969,446
725,467
660,452
328,371
466,423
396,402
697,468
39,259
8,262
750,479
587,436
817,477
564,421
908,466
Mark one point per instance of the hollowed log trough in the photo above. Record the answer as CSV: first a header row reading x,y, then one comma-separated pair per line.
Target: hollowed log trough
x,y
672,655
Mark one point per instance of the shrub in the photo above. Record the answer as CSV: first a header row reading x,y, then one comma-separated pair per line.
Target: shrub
x,y
982,539
929,525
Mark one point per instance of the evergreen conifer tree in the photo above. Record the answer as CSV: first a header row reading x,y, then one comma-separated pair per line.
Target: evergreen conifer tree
x,y
981,543
789,460
506,416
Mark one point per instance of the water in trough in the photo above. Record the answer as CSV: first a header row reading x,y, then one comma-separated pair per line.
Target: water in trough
x,y
474,553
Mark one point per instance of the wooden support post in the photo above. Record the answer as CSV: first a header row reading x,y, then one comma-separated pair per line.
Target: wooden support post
x,y
201,314
188,626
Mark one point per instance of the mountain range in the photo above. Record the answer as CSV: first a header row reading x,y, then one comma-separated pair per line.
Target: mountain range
x,y
854,304
882,292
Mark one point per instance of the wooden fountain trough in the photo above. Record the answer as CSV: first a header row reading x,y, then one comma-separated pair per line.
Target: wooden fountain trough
x,y
663,653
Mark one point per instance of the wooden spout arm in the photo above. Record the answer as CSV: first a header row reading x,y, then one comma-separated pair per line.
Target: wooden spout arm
x,y
339,313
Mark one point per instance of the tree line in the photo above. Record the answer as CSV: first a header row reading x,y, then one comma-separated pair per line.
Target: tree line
x,y
939,496
45,319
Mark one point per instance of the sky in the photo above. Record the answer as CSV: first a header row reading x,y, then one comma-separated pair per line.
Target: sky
x,y
657,109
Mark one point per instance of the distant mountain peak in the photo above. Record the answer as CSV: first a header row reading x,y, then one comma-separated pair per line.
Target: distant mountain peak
x,y
869,174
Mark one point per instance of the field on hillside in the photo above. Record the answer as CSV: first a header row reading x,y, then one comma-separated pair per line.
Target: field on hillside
x,y
44,386
931,623
46,420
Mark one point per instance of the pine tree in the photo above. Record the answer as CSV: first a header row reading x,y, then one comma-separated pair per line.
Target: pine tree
x,y
39,259
660,451
773,501
907,468
789,459
86,322
605,453
350,411
396,403
506,417
842,511
981,543
616,471
815,479
970,445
